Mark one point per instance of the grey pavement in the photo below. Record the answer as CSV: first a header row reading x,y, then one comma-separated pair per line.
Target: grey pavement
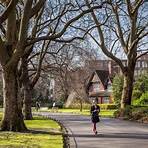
x,y
112,133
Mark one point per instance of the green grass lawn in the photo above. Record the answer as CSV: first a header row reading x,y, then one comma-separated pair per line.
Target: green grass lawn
x,y
103,113
44,134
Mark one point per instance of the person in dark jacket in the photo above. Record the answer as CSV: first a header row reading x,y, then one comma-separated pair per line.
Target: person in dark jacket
x,y
95,109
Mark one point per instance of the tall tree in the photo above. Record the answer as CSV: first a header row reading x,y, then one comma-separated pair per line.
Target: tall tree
x,y
15,38
11,50
121,27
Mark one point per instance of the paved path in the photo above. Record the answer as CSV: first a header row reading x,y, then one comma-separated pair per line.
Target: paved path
x,y
112,133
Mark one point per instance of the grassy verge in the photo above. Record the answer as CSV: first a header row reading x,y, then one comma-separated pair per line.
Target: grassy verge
x,y
103,113
43,133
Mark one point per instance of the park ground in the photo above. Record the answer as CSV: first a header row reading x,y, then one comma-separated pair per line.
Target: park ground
x,y
46,133
43,132
112,133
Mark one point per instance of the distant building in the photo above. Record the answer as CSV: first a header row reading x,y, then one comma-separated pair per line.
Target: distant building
x,y
97,75
99,87
113,68
141,65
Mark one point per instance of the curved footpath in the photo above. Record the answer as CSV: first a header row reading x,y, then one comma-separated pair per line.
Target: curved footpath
x,y
112,133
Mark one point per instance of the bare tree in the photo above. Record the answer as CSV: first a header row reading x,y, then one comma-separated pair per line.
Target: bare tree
x,y
11,49
15,40
29,79
68,70
121,27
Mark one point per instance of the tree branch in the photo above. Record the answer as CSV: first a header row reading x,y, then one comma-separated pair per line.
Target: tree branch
x,y
37,7
8,10
141,55
59,34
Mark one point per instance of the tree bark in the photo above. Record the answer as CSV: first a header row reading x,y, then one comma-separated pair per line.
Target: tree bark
x,y
81,105
126,97
27,103
27,91
13,117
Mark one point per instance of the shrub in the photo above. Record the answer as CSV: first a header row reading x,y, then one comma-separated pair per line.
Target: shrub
x,y
117,87
77,106
126,113
87,106
134,113
143,99
116,113
107,106
139,112
140,87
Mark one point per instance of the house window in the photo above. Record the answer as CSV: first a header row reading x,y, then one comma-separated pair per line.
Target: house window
x,y
138,64
105,100
143,64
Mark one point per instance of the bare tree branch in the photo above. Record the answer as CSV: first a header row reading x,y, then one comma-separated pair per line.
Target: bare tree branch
x,y
6,13
141,55
59,34
37,7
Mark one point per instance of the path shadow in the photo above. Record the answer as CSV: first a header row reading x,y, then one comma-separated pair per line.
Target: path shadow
x,y
111,135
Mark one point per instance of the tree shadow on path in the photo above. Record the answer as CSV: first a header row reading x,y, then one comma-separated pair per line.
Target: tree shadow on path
x,y
111,135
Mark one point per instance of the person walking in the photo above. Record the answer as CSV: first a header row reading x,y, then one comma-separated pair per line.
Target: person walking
x,y
95,110
37,106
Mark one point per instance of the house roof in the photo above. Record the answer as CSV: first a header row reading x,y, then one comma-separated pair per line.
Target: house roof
x,y
103,75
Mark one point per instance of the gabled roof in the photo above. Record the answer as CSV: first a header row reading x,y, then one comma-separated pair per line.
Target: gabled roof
x,y
103,75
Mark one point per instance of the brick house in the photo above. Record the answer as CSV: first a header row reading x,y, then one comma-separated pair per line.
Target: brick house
x,y
99,87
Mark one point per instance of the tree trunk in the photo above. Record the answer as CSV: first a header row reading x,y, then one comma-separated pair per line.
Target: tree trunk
x,y
81,105
27,103
27,91
13,117
127,89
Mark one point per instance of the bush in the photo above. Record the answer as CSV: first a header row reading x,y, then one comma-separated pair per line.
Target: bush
x,y
142,101
139,112
87,106
117,87
134,113
59,104
116,113
140,87
77,106
50,105
126,113
107,106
